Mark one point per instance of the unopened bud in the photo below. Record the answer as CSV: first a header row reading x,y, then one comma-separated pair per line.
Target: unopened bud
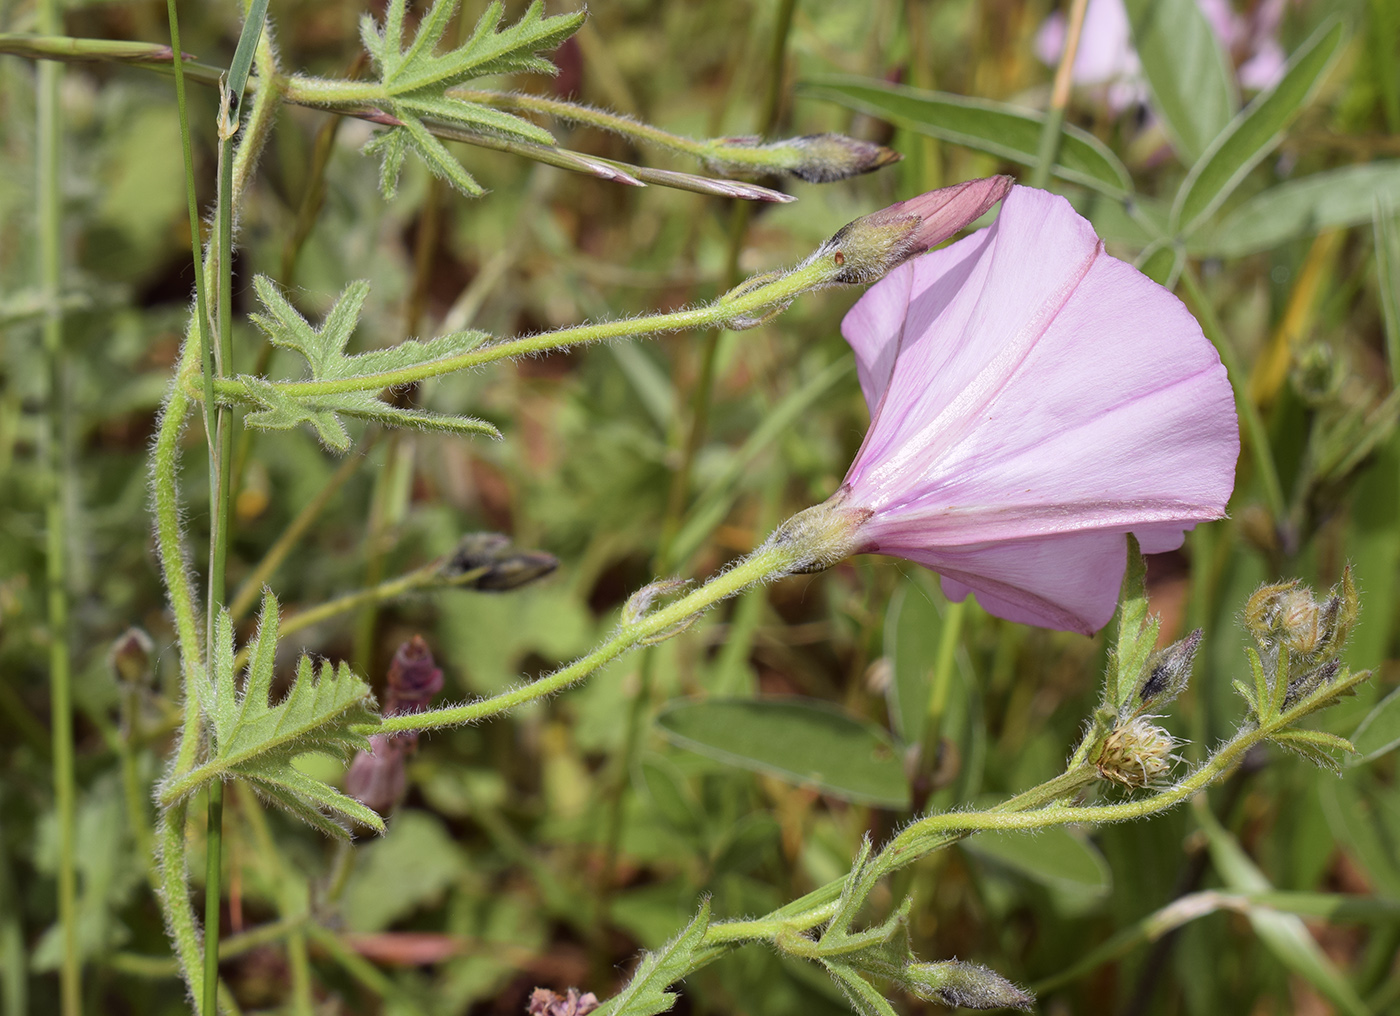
x,y
488,562
1306,684
130,656
1137,754
970,985
872,246
816,158
376,777
1168,672
414,678
1287,614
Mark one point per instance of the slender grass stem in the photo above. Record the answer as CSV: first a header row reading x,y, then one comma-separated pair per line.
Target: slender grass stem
x,y
1053,129
47,171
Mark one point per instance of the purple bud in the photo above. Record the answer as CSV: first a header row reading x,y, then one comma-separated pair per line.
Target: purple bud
x,y
871,247
376,777
1169,671
130,656
414,678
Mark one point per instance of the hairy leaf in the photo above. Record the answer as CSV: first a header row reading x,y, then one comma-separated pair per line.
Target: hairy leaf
x,y
257,741
416,79
324,351
646,994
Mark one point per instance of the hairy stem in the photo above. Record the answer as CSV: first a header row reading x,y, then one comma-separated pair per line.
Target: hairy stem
x,y
772,294
55,517
764,564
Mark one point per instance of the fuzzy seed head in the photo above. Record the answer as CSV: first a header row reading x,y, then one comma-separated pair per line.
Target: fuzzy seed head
x,y
1137,754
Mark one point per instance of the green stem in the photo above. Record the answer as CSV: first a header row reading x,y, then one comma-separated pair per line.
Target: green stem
x,y
743,302
175,901
764,564
1258,436
213,896
47,171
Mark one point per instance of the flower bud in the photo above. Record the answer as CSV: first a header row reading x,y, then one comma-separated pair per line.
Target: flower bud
x,y
873,246
1305,684
376,778
970,985
488,562
130,656
1137,754
1286,614
1168,672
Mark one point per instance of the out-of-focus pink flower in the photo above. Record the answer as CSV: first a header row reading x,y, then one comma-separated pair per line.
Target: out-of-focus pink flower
x,y
1106,56
1032,400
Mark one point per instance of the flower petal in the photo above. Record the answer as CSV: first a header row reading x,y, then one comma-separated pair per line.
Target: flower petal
x,y
1043,400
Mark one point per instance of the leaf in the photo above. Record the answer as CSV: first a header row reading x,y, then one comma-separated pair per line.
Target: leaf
x,y
1190,77
243,55
1387,236
1317,746
1058,858
645,993
488,51
1352,812
802,741
415,80
1137,632
1338,197
1010,132
391,145
1379,733
324,351
1256,131
1161,262
912,628
862,995
257,741
1285,935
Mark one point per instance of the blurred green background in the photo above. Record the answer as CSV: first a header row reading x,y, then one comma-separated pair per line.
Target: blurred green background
x,y
548,847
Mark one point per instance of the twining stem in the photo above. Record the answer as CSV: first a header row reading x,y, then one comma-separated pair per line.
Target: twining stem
x,y
1053,129
765,563
213,894
771,294
47,172
1249,413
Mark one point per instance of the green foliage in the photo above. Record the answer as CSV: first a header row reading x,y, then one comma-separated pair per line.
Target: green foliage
x,y
415,78
324,351
252,739
998,128
805,742
645,993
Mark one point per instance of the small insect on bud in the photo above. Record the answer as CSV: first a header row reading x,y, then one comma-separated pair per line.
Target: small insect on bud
x,y
1137,754
489,563
873,246
130,656
969,985
1168,673
544,1002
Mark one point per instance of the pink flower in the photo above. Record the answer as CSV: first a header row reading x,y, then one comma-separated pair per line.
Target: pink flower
x,y
1032,400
